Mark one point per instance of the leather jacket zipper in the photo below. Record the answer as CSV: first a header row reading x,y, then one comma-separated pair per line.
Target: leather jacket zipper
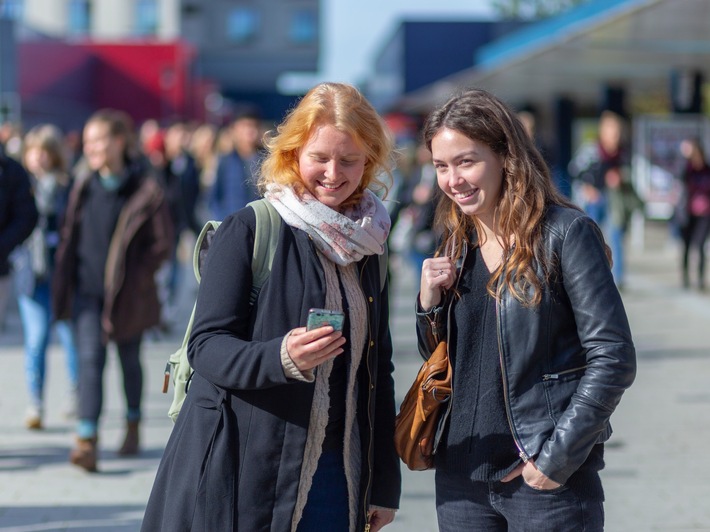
x,y
555,376
521,452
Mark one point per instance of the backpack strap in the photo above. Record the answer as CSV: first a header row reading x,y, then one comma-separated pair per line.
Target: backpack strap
x,y
266,239
201,245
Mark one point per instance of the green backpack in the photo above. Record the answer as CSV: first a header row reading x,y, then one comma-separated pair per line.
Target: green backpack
x,y
266,237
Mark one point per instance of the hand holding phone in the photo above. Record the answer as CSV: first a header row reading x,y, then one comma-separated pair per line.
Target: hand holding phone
x,y
320,317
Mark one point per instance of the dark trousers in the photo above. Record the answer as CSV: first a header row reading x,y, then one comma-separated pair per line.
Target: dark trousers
x,y
463,504
327,505
92,360
695,234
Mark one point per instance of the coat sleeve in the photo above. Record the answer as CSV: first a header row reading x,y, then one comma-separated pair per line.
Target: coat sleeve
x,y
219,348
23,215
605,336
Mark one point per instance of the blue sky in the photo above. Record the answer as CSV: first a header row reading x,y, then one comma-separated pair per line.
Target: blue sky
x,y
354,30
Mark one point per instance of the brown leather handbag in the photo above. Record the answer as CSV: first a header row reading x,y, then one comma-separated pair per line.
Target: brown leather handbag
x,y
416,423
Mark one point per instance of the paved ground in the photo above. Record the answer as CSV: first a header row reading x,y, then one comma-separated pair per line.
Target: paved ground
x,y
657,476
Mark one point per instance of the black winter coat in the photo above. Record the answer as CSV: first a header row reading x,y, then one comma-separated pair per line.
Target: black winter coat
x,y
233,460
18,212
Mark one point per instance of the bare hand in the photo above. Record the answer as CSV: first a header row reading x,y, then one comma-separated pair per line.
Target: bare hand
x,y
438,275
532,476
309,349
379,518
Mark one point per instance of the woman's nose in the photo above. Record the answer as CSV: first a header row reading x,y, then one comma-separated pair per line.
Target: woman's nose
x,y
331,169
454,178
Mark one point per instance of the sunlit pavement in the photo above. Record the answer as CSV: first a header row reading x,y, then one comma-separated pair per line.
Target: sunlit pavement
x,y
657,476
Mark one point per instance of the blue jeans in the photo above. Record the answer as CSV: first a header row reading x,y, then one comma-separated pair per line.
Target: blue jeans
x,y
616,243
36,318
463,504
327,505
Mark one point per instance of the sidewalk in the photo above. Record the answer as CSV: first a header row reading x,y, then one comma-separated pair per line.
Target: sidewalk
x,y
657,476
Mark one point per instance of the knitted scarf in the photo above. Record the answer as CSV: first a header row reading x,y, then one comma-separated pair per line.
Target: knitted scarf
x,y
342,237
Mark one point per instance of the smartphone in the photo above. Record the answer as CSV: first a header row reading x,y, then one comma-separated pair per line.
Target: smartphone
x,y
319,317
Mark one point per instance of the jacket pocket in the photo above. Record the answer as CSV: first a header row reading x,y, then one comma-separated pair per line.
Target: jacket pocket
x,y
559,388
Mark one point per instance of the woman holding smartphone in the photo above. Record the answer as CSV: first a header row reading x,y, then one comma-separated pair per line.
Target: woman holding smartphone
x,y
285,428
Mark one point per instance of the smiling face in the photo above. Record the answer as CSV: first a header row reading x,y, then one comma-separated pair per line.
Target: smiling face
x,y
468,172
37,161
331,165
103,151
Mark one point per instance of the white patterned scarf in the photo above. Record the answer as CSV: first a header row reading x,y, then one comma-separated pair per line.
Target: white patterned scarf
x,y
342,237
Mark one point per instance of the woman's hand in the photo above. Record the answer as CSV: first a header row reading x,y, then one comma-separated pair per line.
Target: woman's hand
x,y
532,476
379,518
309,349
438,275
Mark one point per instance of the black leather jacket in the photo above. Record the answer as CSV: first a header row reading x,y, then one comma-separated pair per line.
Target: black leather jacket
x,y
567,361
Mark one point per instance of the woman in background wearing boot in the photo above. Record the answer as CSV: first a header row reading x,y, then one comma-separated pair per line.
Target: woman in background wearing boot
x,y
44,160
116,235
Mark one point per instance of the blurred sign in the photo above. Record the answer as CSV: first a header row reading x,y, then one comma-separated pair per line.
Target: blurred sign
x,y
657,161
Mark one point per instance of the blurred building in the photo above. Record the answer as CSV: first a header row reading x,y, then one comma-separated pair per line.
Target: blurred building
x,y
246,46
164,59
420,53
647,60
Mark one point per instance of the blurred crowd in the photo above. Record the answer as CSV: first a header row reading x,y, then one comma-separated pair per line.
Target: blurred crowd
x,y
93,229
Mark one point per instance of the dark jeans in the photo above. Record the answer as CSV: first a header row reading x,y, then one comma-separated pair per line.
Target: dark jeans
x,y
463,504
92,360
695,234
327,505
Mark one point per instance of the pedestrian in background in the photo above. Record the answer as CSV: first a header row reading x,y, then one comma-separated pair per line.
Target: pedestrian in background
x,y
116,235
522,290
590,163
34,263
605,191
695,225
235,184
182,186
286,429
18,216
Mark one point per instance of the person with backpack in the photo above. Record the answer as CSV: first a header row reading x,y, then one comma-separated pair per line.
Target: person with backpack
x,y
285,428
117,233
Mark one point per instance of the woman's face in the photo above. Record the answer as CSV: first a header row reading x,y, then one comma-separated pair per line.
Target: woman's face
x,y
331,165
37,161
103,151
468,172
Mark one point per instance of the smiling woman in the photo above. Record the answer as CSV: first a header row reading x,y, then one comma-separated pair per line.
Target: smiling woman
x,y
331,165
272,403
542,350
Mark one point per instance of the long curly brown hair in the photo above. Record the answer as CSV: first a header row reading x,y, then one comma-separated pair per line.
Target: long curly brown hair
x,y
526,192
